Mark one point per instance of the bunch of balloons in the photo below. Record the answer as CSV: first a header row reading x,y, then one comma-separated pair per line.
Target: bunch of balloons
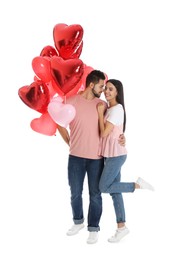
x,y
59,73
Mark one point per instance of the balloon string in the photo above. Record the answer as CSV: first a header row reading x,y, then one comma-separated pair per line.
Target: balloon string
x,y
64,99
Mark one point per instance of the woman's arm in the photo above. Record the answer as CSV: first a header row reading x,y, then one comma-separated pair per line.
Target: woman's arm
x,y
105,127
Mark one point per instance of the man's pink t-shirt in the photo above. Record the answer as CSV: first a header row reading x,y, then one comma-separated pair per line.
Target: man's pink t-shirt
x,y
84,128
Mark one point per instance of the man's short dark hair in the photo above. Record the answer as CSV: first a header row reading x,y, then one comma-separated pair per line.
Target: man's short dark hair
x,y
94,76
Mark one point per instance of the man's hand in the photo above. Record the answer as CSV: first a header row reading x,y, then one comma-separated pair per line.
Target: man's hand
x,y
122,140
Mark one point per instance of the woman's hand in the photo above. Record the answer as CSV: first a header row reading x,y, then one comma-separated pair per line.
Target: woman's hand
x,y
100,108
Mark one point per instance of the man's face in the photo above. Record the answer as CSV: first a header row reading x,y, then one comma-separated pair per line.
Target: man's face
x,y
98,88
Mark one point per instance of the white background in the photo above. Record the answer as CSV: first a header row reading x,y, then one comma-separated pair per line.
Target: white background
x,y
133,41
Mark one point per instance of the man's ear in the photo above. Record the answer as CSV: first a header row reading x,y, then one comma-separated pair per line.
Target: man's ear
x,y
91,85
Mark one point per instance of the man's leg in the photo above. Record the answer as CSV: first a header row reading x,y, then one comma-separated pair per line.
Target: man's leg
x,y
76,175
94,170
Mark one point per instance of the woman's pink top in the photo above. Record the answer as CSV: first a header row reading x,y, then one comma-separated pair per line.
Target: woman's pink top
x,y
109,145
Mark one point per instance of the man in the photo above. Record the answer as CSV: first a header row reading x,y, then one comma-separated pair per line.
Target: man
x,y
83,158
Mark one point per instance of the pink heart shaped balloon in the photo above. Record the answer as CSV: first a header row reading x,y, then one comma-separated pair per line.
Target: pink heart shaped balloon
x,y
62,114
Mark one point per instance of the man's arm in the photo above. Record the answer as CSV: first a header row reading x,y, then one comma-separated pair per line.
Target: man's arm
x,y
64,133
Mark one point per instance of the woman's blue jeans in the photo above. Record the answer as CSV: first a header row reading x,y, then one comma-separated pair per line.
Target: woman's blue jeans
x,y
77,169
110,183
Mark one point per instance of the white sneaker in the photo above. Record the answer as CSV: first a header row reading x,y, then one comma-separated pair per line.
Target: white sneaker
x,y
120,233
144,185
93,237
75,229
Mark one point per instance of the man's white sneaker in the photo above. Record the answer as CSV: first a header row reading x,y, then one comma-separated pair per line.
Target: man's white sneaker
x,y
120,233
93,237
144,184
75,229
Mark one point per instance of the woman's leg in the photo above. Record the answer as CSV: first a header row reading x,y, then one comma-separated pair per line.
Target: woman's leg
x,y
110,179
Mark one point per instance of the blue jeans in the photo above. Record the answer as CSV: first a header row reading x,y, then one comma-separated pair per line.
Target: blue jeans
x,y
77,169
110,183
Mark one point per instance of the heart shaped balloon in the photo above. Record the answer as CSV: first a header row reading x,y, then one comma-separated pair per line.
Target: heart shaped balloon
x,y
62,114
68,40
66,73
44,125
87,70
36,96
81,84
41,67
48,51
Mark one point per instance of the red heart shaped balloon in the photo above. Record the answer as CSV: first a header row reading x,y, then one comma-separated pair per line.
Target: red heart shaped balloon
x,y
66,73
44,125
41,67
48,51
36,96
81,84
68,40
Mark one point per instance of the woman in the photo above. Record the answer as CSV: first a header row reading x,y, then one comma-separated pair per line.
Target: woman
x,y
112,124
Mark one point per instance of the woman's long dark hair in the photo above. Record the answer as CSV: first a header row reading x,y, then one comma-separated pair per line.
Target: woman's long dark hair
x,y
120,97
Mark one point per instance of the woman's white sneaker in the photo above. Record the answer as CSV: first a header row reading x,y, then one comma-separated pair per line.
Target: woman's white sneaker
x,y
144,184
119,234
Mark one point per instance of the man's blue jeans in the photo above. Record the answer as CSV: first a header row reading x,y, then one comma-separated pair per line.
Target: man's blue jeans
x,y
110,183
77,169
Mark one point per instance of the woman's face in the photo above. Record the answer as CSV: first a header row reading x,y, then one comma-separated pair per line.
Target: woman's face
x,y
110,92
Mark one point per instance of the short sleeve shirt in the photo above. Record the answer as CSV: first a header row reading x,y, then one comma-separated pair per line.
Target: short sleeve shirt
x,y
84,128
109,145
